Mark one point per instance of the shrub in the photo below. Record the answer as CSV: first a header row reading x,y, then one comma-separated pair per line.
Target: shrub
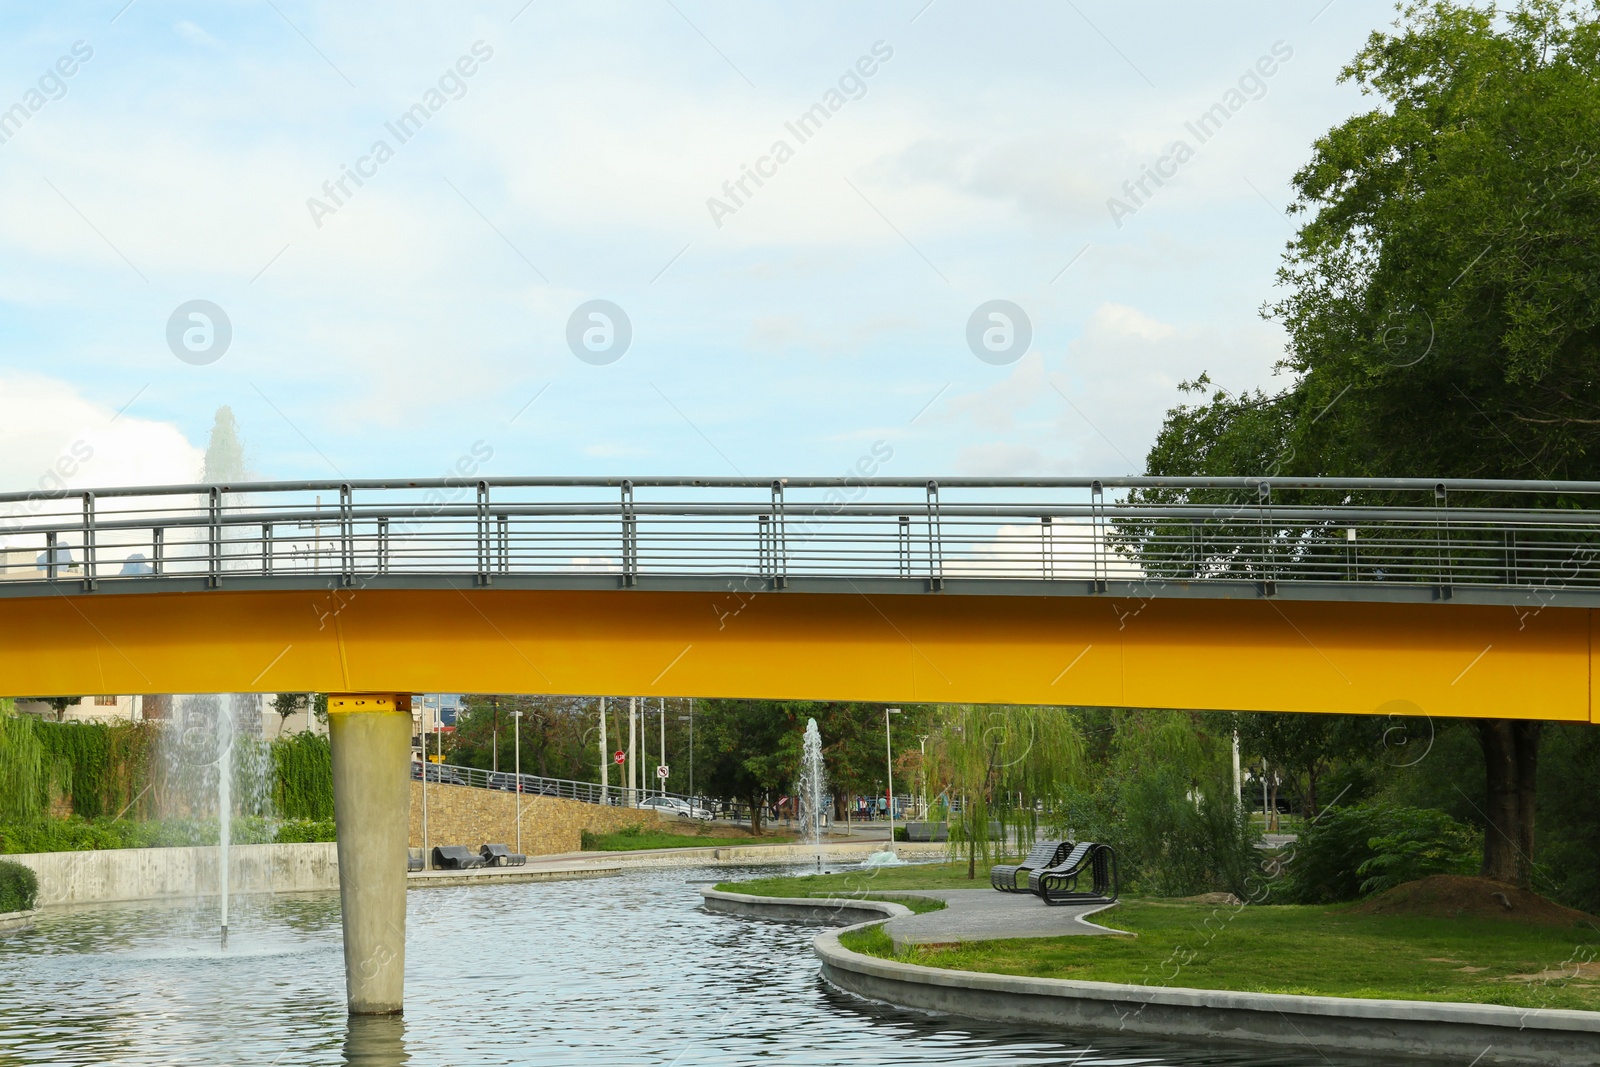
x,y
78,835
1418,842
302,767
299,831
19,887
1348,852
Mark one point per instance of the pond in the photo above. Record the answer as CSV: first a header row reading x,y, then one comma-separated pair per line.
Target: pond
x,y
623,970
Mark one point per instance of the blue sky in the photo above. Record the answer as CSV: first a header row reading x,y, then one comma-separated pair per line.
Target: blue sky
x,y
827,312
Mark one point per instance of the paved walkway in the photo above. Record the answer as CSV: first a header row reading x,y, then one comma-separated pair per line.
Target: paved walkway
x,y
988,915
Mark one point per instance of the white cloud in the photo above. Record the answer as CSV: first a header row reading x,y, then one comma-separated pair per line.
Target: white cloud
x,y
195,35
52,438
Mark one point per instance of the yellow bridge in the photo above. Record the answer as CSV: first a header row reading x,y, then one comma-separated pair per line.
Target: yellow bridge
x,y
1398,596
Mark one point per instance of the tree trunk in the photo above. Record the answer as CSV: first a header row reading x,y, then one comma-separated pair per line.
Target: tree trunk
x,y
755,815
1511,761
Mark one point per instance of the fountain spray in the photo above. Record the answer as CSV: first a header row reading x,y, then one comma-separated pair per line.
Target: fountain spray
x,y
812,787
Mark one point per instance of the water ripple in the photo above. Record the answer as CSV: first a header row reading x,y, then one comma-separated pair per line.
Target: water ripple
x,y
625,971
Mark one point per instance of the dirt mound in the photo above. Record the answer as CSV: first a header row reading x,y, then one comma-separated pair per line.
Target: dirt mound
x,y
1453,896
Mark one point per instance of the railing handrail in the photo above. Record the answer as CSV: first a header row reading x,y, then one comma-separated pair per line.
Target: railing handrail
x,y
1062,536
1505,485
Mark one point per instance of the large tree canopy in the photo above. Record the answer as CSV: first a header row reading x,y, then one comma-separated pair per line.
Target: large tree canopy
x,y
1442,297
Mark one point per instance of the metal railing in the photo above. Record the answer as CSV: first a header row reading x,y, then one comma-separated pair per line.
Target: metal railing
x,y
1330,538
534,785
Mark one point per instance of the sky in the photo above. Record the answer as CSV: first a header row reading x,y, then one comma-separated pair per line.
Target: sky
x,y
516,162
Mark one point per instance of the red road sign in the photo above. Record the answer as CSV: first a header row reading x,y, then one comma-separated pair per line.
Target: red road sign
x,y
620,757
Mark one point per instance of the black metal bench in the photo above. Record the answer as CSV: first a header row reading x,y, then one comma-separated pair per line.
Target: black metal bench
x,y
501,856
455,858
1043,854
1058,884
413,859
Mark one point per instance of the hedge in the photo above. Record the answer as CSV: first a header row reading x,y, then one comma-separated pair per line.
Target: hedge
x,y
19,887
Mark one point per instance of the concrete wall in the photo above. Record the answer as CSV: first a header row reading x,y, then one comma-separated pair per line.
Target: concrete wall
x,y
153,873
464,815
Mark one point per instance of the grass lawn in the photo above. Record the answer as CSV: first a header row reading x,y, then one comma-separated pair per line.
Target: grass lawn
x,y
877,883
1328,951
863,882
634,838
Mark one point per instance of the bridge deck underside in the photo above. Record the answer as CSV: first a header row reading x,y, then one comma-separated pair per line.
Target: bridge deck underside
x,y
1442,659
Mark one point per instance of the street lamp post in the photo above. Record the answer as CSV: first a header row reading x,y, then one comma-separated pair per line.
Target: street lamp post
x,y
516,716
494,756
427,856
888,762
689,718
922,744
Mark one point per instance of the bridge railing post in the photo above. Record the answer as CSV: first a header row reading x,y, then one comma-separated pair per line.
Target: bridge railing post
x,y
1098,534
780,539
214,539
347,539
1047,537
905,546
1268,582
935,539
630,537
1441,501
88,542
483,576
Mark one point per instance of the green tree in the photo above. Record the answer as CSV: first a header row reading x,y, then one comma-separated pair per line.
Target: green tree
x,y
1306,748
1442,297
1004,762
750,748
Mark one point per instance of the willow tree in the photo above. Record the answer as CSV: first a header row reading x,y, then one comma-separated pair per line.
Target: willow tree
x,y
23,778
1004,764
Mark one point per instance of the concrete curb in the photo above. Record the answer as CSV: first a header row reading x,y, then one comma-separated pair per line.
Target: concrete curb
x,y
1484,1034
812,910
17,920
738,855
502,875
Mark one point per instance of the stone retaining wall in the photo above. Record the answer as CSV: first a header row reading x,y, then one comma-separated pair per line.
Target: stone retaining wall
x,y
154,873
466,815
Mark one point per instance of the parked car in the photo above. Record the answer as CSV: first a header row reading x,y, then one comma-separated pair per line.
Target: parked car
x,y
673,806
436,773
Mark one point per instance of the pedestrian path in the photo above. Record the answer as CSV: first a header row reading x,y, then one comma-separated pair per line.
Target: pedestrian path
x,y
986,915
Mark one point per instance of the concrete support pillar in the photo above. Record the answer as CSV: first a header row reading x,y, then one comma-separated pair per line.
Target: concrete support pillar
x,y
371,739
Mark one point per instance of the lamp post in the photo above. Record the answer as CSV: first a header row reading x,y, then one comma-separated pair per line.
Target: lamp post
x,y
888,763
689,718
427,857
516,717
494,755
922,745
663,781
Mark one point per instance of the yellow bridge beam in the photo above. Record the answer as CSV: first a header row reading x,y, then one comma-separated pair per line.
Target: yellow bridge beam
x,y
1245,655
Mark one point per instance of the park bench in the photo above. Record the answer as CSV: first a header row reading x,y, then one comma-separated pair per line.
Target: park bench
x,y
1058,884
455,858
1043,854
413,859
501,856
